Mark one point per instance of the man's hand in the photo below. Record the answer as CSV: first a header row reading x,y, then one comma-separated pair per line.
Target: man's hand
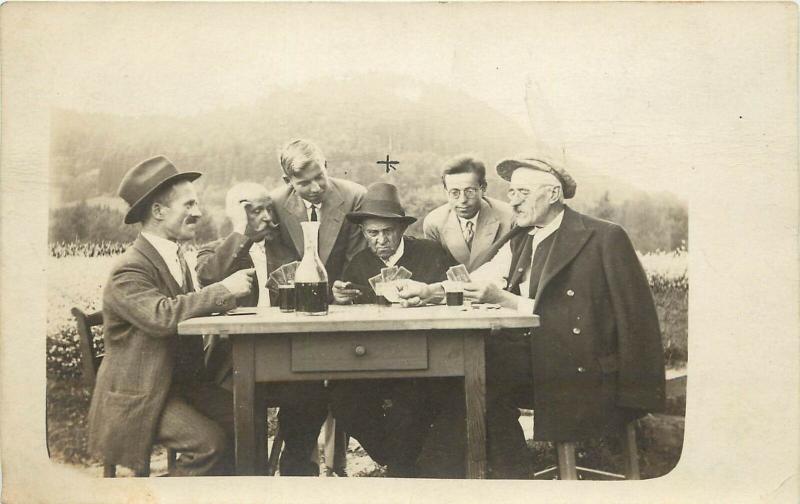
x,y
413,293
484,292
343,294
240,283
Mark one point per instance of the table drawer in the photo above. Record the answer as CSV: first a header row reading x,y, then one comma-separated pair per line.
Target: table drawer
x,y
359,352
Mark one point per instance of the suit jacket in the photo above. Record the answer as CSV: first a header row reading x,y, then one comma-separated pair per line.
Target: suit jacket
x,y
222,258
597,356
142,305
494,221
339,239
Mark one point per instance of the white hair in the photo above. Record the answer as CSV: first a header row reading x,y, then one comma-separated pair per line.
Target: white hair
x,y
243,191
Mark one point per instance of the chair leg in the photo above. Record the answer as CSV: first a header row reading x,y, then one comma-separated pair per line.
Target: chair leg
x,y
172,459
567,466
275,453
630,451
109,471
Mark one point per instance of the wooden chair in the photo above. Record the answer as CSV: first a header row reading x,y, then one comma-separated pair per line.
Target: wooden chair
x,y
90,362
568,468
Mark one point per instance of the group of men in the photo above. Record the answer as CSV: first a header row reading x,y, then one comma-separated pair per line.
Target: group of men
x,y
595,361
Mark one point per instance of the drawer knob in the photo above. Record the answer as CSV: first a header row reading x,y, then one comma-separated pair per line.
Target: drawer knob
x,y
360,350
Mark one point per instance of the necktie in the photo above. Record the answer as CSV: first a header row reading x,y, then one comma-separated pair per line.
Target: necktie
x,y
469,233
313,213
185,273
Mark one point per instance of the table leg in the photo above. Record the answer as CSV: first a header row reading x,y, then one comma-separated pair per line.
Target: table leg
x,y
475,393
244,404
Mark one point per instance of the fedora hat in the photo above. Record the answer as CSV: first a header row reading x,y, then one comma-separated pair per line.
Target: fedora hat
x,y
144,179
506,167
381,201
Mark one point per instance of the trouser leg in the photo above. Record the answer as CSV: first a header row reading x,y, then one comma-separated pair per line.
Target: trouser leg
x,y
303,409
508,385
407,425
358,409
198,423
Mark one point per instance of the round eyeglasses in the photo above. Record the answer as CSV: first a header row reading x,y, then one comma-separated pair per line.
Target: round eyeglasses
x,y
469,192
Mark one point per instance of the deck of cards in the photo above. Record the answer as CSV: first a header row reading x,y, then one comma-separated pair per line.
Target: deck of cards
x,y
282,276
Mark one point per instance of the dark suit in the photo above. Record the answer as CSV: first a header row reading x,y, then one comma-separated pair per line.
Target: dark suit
x,y
135,401
304,405
393,438
339,239
595,361
494,221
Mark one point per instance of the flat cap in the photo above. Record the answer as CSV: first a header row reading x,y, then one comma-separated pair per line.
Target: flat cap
x,y
506,167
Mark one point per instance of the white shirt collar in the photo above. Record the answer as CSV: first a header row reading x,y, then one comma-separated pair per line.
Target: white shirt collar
x,y
308,204
392,260
545,231
168,249
473,220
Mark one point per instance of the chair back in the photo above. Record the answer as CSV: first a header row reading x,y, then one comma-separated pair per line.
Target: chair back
x,y
90,361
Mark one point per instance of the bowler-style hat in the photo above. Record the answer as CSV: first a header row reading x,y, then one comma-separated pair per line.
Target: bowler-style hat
x,y
141,181
381,201
506,167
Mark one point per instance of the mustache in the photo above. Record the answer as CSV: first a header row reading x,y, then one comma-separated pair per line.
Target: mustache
x,y
192,220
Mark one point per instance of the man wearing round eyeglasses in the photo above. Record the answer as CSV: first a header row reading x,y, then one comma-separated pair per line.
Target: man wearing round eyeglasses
x,y
470,222
596,360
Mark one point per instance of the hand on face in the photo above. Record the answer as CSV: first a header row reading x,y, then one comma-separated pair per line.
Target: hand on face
x,y
343,294
252,217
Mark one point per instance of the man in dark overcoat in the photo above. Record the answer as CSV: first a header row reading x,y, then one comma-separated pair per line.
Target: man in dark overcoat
x,y
152,386
597,359
254,243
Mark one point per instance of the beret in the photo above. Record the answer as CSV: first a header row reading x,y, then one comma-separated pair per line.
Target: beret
x,y
506,167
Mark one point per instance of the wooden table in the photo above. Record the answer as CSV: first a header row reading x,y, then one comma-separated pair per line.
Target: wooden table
x,y
357,342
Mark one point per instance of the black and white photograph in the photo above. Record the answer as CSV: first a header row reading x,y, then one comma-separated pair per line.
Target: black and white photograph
x,y
361,252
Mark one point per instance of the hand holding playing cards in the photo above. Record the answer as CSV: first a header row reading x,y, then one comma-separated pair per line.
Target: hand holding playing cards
x,y
413,293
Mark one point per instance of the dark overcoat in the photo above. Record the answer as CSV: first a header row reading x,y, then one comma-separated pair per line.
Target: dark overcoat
x,y
597,356
142,306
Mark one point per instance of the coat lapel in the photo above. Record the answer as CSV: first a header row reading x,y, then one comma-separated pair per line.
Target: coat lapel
x,y
454,239
485,232
150,252
295,215
570,239
331,223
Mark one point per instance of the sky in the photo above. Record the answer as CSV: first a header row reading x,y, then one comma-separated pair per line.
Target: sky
x,y
662,88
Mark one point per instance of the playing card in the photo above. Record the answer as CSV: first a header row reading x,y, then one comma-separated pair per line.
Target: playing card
x,y
289,271
389,273
374,281
277,276
272,284
402,273
458,273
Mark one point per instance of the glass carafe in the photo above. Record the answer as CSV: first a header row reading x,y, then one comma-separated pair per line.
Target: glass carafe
x,y
311,279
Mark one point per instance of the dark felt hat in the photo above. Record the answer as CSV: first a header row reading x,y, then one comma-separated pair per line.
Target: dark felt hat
x,y
141,181
506,167
383,202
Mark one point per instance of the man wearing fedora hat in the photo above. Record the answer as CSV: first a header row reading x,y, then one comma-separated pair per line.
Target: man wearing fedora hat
x,y
395,438
151,386
596,360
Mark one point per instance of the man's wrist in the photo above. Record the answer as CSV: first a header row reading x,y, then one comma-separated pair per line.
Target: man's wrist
x,y
433,293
